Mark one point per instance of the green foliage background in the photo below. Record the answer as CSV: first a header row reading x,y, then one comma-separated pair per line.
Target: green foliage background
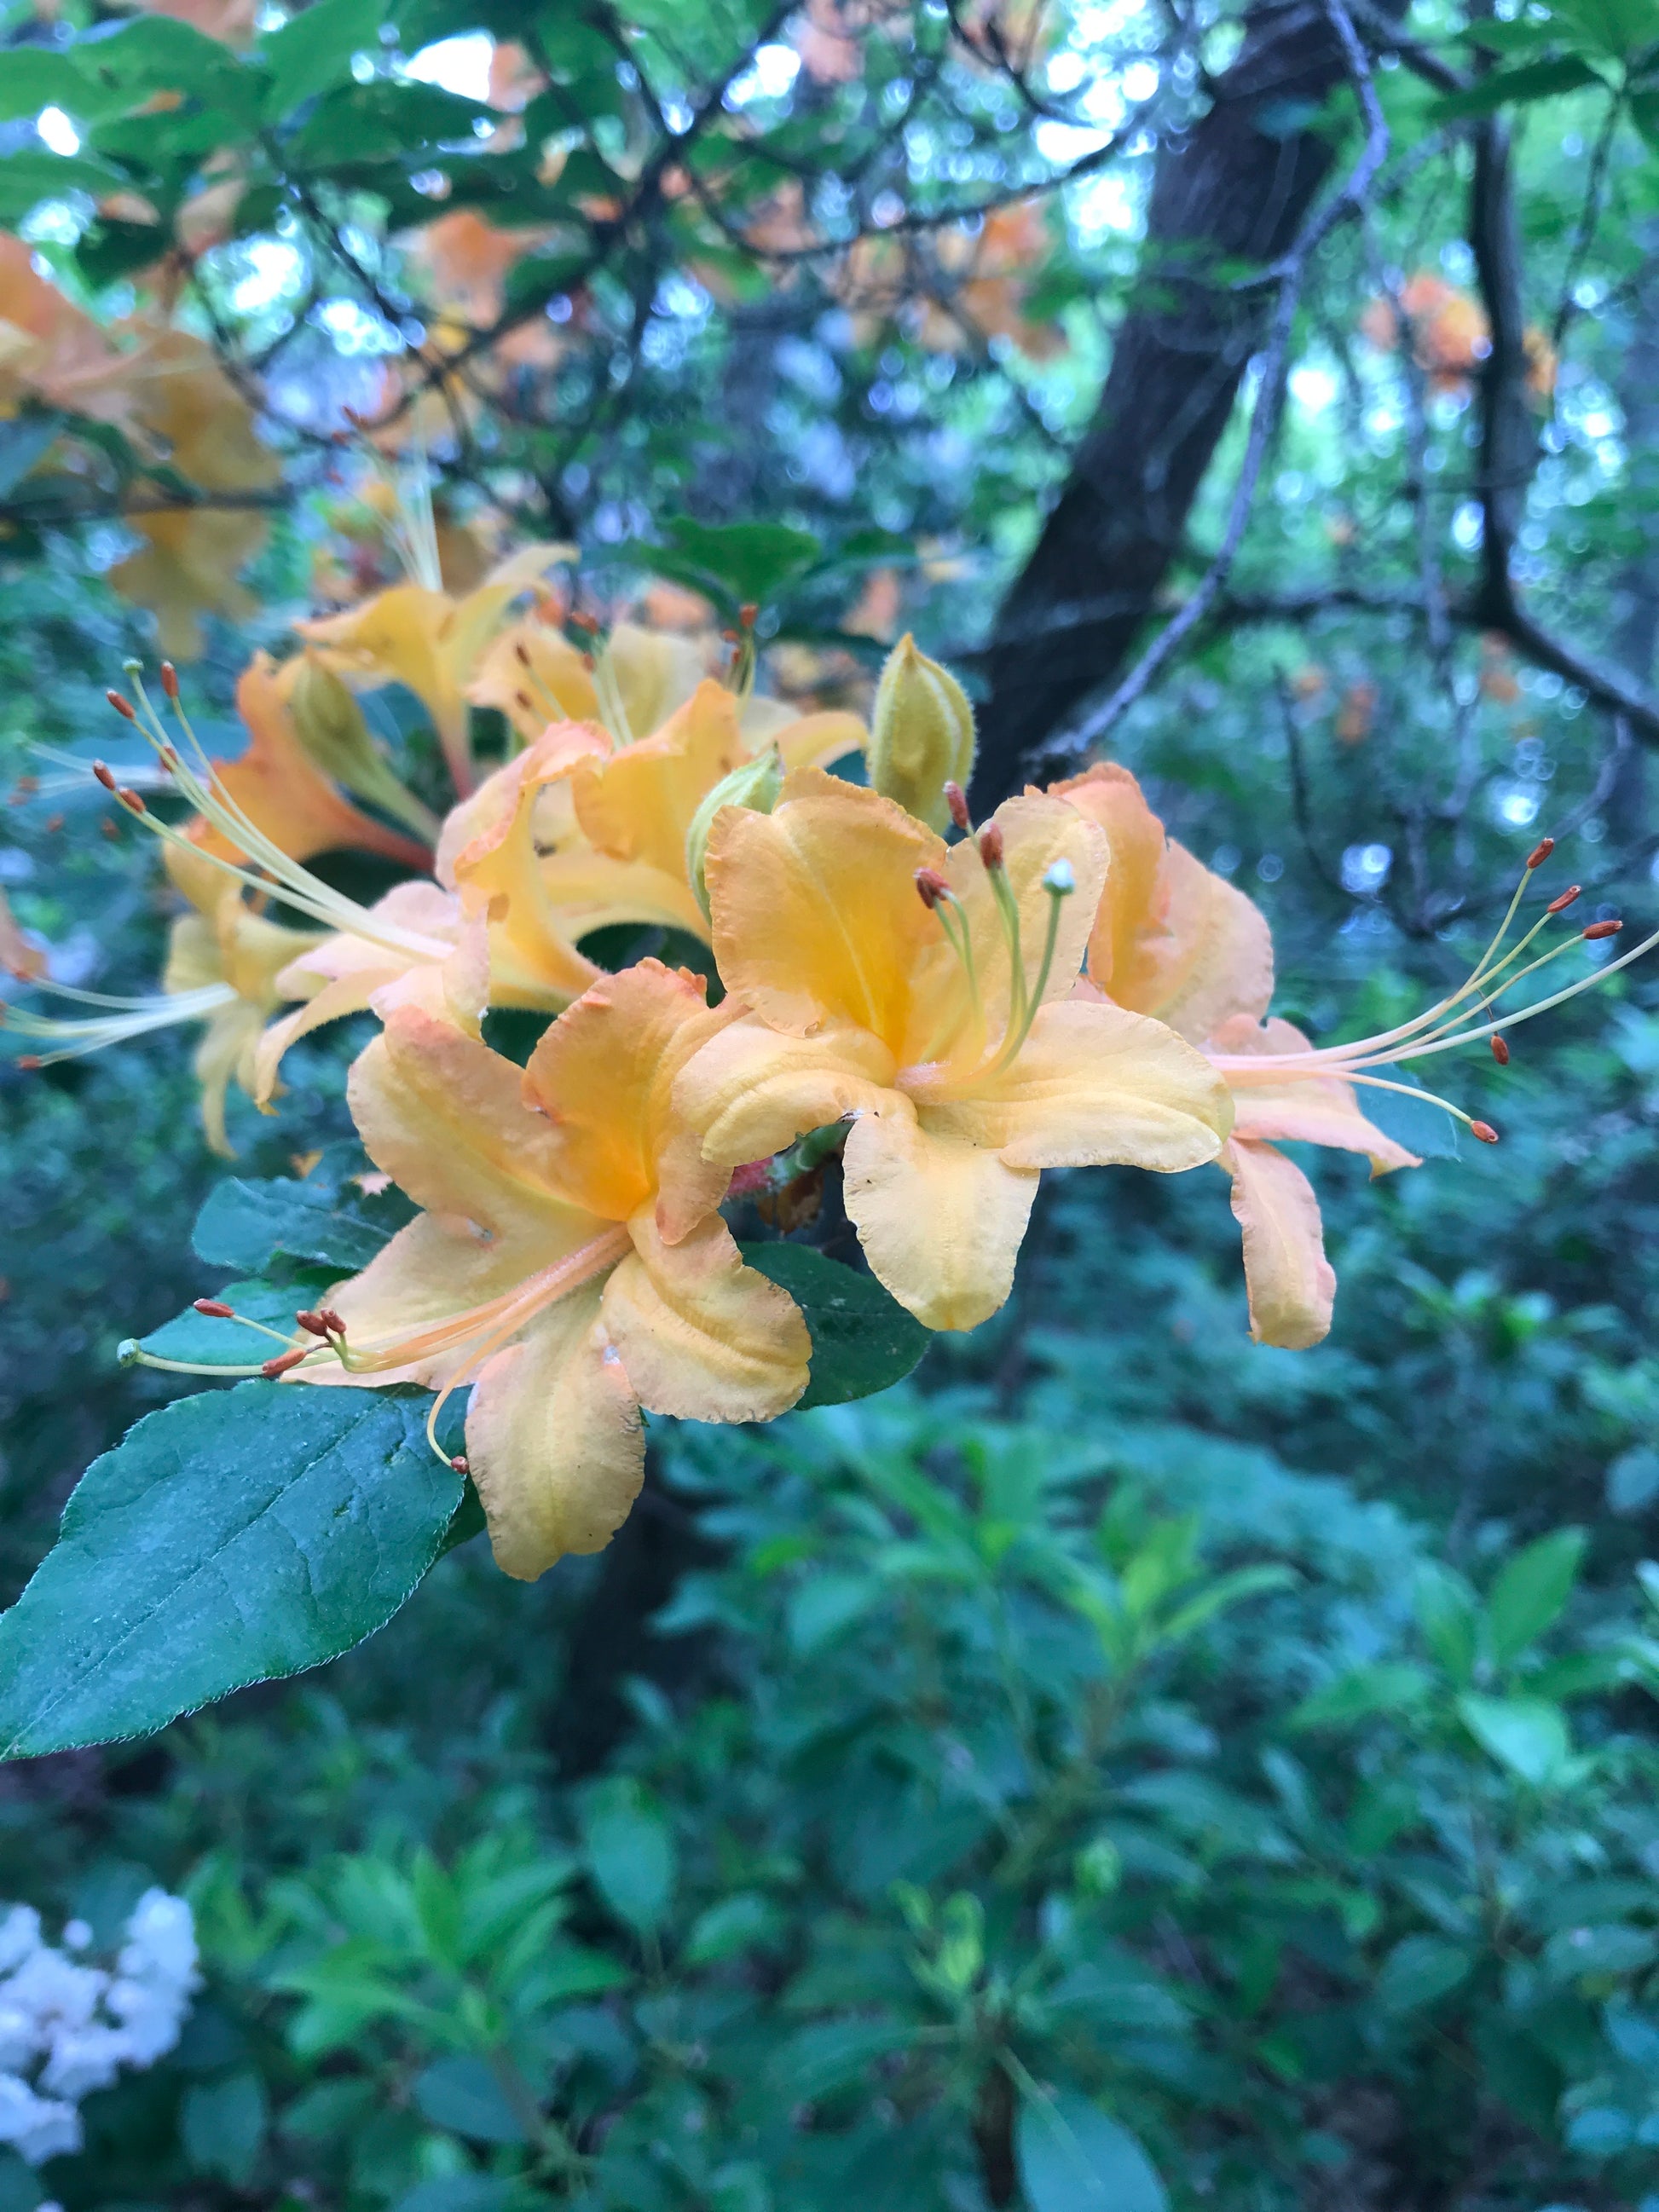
x,y
1197,1774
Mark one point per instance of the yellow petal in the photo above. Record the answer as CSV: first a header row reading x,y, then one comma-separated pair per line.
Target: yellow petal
x,y
1093,1086
804,740
499,872
469,623
557,687
604,1076
446,1118
656,673
751,1091
397,637
702,1336
941,1219
1290,1283
638,804
816,916
231,1032
1318,1109
1171,938
555,1440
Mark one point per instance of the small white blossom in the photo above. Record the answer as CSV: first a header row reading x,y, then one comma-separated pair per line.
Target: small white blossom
x,y
37,2128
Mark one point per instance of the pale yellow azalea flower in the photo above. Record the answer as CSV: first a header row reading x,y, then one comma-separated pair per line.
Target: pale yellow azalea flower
x,y
1174,939
570,1260
431,643
961,1087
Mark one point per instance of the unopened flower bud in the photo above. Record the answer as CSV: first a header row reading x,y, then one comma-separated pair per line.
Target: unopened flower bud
x,y
754,784
921,735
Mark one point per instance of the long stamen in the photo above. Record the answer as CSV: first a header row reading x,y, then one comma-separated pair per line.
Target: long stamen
x,y
939,898
612,712
1058,881
74,1040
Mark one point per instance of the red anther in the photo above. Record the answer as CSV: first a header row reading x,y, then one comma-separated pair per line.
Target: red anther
x,y
1540,852
459,1465
956,800
748,613
588,662
25,787
52,825
283,1361
990,845
169,760
932,887
215,1309
130,800
731,637
29,1059
122,706
1561,905
1599,929
1485,1131
331,1320
588,624
105,775
169,679
1500,1051
313,1323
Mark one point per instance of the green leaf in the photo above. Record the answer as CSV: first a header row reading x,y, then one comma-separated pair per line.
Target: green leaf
x,y
1530,1591
1539,80
540,278
1391,1687
34,78
1420,1971
832,2054
630,1853
731,561
1448,1615
1425,1129
462,2193
736,1924
1072,2157
29,178
313,51
223,2126
23,442
462,2093
201,1341
228,1538
1523,1734
246,1226
863,1339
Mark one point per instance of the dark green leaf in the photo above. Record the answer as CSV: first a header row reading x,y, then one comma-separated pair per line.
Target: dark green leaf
x,y
1523,1734
222,2124
1539,80
1392,1687
22,444
29,178
246,1224
313,51
833,2053
228,1538
199,1341
1073,2157
630,1852
1530,1591
1420,1971
462,2093
733,562
863,1340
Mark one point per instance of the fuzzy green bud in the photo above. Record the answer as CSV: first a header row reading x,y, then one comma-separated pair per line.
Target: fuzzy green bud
x,y
754,784
921,735
330,725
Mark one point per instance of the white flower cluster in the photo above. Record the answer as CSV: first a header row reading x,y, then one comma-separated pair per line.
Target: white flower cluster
x,y
67,2028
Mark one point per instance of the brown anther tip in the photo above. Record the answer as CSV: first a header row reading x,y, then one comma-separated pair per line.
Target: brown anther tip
x,y
748,613
1599,929
25,787
283,1361
956,799
313,1323
169,760
522,699
931,886
169,679
731,636
588,624
105,775
990,845
122,706
1540,852
1500,1051
1485,1131
459,1465
215,1309
28,1059
52,825
521,653
331,1320
129,800
1561,905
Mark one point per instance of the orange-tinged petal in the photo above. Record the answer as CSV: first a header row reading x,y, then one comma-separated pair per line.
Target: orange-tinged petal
x,y
555,1440
1171,937
604,1076
702,1336
1093,1086
446,1118
1290,1283
281,790
1318,1109
638,804
941,1219
816,916
750,1090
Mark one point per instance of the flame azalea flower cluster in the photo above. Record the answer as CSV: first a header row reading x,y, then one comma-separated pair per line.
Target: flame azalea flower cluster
x,y
955,1008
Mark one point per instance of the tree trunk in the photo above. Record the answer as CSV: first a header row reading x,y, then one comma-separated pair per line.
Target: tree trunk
x,y
1228,196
